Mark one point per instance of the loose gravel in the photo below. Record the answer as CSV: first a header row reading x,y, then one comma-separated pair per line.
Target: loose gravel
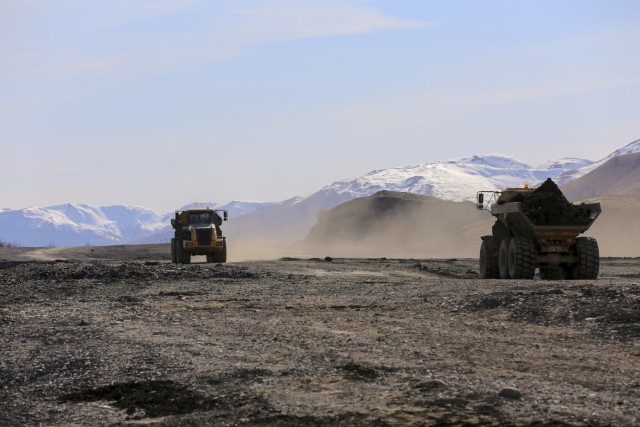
x,y
315,342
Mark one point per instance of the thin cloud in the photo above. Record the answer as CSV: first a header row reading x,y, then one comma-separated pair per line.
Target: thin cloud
x,y
7,110
217,31
117,13
280,20
610,40
145,38
551,91
419,108
87,67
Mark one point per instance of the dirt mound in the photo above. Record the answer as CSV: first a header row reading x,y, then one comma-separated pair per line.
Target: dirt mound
x,y
546,205
397,224
80,270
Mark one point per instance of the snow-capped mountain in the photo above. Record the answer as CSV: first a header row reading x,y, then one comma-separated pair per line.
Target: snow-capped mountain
x,y
566,164
455,180
80,224
76,224
576,173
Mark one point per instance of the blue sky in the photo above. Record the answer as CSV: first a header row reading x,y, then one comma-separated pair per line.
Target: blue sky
x,y
159,103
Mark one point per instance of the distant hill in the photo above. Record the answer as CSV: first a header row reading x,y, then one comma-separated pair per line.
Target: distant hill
x,y
619,175
395,224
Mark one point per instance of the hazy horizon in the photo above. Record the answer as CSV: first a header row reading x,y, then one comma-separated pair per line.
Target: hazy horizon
x,y
159,103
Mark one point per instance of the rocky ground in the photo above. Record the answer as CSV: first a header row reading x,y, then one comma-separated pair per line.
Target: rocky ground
x,y
105,336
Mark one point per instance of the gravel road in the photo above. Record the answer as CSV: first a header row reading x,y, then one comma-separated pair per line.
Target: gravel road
x,y
123,337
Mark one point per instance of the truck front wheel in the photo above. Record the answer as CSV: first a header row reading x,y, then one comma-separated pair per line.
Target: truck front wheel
x,y
174,259
218,257
182,256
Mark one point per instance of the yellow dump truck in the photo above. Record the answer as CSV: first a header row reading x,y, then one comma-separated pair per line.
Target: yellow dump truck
x,y
197,232
538,228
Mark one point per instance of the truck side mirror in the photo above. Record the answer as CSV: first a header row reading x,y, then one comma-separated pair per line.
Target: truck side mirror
x,y
480,204
226,215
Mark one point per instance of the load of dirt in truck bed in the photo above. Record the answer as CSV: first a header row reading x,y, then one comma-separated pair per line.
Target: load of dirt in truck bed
x,y
546,205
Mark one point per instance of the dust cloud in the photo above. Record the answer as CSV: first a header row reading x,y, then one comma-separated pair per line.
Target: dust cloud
x,y
617,229
399,225
389,224
402,225
258,250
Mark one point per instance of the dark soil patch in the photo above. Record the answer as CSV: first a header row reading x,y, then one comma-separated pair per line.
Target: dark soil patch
x,y
71,270
147,398
355,371
446,268
613,312
431,386
342,420
250,374
465,409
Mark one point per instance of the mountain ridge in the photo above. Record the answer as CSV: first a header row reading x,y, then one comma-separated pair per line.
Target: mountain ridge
x,y
76,224
573,174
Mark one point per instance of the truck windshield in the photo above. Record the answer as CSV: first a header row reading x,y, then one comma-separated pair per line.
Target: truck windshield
x,y
200,218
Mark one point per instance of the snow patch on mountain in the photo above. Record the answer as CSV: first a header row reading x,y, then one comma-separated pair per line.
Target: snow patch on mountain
x,y
67,225
566,164
456,179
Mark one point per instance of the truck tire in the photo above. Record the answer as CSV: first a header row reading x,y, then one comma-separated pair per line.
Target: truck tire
x,y
174,259
488,263
218,257
182,256
588,254
522,258
503,267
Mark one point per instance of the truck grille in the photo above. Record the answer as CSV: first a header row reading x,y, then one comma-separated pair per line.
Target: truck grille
x,y
204,236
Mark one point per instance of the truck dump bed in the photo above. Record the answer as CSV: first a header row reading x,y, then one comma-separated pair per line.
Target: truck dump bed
x,y
517,219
